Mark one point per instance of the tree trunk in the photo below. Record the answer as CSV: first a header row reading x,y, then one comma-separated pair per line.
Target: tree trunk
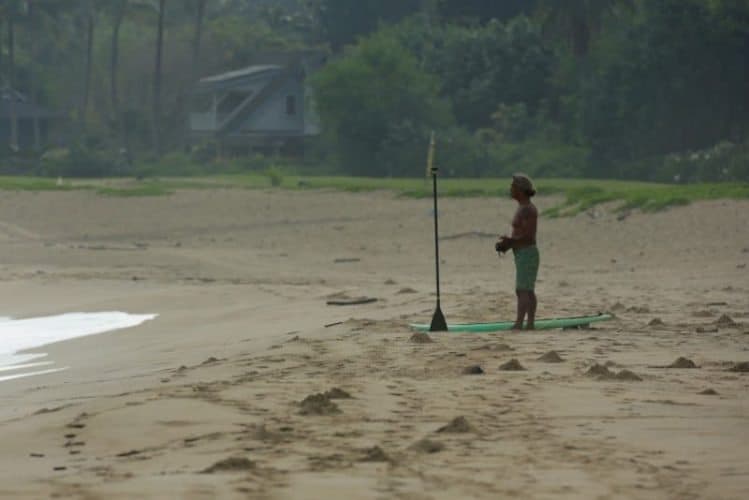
x,y
157,82
194,71
89,16
580,36
11,84
114,61
196,41
2,65
32,77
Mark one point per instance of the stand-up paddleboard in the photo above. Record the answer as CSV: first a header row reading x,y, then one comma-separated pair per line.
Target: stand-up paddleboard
x,y
541,324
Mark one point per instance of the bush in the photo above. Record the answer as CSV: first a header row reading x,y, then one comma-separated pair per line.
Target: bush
x,y
80,161
169,165
275,175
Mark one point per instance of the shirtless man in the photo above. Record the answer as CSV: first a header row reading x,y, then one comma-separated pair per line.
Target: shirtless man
x,y
523,245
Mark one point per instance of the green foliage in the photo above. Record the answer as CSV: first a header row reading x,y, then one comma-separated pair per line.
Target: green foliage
x,y
482,68
482,11
8,183
341,22
378,107
644,196
274,175
238,40
631,89
170,165
81,160
669,81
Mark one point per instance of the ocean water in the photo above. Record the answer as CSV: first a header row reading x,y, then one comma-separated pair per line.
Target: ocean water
x,y
22,334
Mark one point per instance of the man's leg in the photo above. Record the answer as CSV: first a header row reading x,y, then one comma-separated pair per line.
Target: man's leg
x,y
523,305
531,310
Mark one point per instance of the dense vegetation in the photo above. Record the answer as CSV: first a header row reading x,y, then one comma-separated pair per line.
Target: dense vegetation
x,y
629,89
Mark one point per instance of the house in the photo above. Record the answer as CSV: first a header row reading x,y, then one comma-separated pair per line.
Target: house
x,y
257,108
16,107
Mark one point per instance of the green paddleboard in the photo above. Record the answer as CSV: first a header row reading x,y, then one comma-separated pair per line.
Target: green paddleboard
x,y
541,324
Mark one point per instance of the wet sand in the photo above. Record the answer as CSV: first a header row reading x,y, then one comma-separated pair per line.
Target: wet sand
x,y
249,384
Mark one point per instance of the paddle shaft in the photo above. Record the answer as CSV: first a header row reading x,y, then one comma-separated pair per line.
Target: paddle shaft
x,y
436,235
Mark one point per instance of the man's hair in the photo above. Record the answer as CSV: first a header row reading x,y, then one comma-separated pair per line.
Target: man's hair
x,y
524,183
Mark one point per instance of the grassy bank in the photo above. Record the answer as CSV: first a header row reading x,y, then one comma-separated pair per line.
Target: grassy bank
x,y
578,194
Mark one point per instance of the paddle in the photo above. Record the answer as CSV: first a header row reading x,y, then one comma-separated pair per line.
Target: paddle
x,y
438,319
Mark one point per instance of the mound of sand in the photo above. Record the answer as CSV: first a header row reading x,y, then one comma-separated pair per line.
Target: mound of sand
x,y
318,404
725,321
512,366
473,370
628,375
600,372
551,357
682,362
457,425
232,464
709,392
336,393
421,338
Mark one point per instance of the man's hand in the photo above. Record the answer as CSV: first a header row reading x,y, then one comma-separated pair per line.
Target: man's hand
x,y
504,244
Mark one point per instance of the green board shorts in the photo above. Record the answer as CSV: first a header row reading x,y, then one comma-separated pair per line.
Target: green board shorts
x,y
526,268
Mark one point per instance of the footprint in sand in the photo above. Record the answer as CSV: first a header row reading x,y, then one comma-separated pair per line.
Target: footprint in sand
x,y
742,367
374,454
427,446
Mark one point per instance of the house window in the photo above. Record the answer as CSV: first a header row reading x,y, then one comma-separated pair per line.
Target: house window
x,y
290,105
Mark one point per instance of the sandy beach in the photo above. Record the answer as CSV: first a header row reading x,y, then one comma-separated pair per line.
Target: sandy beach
x,y
249,385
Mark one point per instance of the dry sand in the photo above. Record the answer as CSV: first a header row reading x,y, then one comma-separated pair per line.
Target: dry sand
x,y
205,400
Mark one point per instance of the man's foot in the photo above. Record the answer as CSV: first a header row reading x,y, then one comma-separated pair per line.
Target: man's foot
x,y
530,326
517,326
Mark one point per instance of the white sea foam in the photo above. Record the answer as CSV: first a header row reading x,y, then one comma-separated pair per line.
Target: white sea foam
x,y
22,334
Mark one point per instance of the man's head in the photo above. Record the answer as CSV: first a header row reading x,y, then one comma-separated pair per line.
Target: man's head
x,y
521,185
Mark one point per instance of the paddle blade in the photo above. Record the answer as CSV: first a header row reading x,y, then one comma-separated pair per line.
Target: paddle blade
x,y
438,321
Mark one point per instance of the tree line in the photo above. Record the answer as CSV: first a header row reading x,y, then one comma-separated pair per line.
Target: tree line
x,y
645,89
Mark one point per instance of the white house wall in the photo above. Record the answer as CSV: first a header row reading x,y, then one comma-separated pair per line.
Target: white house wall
x,y
271,115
